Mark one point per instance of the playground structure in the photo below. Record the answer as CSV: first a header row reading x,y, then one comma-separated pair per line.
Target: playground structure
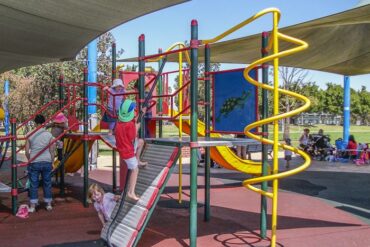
x,y
208,141
154,178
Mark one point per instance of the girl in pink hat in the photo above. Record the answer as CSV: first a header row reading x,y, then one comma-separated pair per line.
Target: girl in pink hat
x,y
58,126
115,93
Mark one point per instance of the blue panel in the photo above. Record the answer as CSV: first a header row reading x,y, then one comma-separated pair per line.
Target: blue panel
x,y
234,101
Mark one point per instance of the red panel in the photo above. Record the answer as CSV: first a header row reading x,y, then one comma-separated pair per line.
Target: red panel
x,y
152,198
132,240
162,179
142,220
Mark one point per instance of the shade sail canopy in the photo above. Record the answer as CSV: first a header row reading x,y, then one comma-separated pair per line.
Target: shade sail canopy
x,y
42,31
338,43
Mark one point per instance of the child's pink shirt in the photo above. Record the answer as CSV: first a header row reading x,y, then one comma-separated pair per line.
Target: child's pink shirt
x,y
106,206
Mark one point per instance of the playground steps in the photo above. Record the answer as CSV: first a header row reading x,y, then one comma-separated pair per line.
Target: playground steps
x,y
128,222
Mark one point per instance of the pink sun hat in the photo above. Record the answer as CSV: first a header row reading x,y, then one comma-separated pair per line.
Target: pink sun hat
x,y
60,118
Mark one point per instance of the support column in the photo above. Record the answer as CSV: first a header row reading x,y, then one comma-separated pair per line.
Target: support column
x,y
85,139
92,65
6,109
346,108
114,152
92,54
160,100
207,155
61,104
264,186
14,191
194,43
141,81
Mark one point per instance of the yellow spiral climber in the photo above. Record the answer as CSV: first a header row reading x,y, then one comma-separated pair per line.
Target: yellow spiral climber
x,y
275,176
276,54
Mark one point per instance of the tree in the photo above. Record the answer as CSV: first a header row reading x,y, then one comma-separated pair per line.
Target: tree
x,y
361,107
293,79
34,86
332,99
201,86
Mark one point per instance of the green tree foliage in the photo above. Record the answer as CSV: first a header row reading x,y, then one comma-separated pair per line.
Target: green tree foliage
x,y
361,108
34,86
332,99
201,86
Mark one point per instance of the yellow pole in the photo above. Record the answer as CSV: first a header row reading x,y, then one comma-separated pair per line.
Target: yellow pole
x,y
180,126
275,169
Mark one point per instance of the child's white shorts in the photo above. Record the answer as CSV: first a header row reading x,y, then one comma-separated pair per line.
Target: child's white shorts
x,y
132,163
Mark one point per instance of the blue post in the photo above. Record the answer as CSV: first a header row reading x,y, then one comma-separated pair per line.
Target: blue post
x,y
346,108
92,54
6,109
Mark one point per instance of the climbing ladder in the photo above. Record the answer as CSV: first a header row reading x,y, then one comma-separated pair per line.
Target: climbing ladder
x,y
128,220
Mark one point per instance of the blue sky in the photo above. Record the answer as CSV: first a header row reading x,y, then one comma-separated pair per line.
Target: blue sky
x,y
165,27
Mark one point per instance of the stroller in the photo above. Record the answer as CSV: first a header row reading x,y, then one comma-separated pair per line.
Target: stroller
x,y
320,147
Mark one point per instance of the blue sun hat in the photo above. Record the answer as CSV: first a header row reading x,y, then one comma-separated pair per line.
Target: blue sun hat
x,y
127,111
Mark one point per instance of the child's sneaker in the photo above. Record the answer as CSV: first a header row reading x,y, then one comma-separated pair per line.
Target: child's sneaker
x,y
49,207
32,208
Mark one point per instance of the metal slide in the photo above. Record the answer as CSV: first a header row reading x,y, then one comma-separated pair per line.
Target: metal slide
x,y
129,219
224,156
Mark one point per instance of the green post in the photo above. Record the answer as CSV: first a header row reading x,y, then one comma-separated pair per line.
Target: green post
x,y
160,100
114,61
194,43
263,215
14,192
85,139
114,152
141,80
207,157
61,104
61,92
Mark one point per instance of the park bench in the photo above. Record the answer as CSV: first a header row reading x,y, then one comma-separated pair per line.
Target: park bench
x,y
257,148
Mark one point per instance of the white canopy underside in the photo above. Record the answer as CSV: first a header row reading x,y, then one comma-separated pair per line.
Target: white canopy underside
x,y
43,31
338,43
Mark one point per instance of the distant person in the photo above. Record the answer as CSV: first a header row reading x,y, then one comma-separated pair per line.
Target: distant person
x,y
104,203
241,150
41,164
287,153
129,145
115,97
305,139
352,148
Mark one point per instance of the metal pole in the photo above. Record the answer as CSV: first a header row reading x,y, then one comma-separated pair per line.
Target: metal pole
x,y
6,109
264,186
114,152
346,108
141,80
114,62
61,104
207,157
92,53
14,166
275,168
85,141
160,100
194,43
